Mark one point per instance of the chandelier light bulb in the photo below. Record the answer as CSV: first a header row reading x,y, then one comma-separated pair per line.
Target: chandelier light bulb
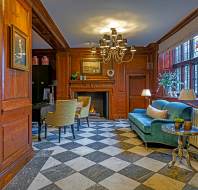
x,y
133,49
113,32
119,38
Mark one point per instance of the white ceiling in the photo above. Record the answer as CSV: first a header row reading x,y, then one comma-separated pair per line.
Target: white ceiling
x,y
141,21
38,42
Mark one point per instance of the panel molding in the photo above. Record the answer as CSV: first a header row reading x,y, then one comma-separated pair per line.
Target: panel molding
x,y
17,103
10,171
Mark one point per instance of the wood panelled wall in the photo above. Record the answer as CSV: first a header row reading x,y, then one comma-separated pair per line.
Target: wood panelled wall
x,y
15,87
144,63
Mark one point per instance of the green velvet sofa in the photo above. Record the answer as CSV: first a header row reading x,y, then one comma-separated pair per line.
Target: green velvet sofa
x,y
149,129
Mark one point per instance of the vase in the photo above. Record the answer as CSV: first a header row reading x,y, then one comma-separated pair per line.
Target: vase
x,y
45,60
187,125
167,91
35,60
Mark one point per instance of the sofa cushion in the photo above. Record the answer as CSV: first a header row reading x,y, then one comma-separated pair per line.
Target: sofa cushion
x,y
142,121
178,109
159,104
156,113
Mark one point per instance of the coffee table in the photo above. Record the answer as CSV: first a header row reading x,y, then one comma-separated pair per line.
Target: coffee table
x,y
182,151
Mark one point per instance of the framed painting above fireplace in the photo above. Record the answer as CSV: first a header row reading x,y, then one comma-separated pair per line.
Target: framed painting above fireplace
x,y
91,66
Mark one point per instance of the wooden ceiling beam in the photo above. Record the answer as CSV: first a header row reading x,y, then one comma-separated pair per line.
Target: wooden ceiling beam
x,y
43,24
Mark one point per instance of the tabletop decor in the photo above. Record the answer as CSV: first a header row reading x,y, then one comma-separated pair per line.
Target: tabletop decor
x,y
178,123
187,125
35,60
74,76
183,149
19,47
45,60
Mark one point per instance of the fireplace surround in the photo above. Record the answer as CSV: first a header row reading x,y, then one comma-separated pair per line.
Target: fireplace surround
x,y
99,103
100,91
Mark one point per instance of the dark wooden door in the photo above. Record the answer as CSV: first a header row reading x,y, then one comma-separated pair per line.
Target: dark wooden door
x,y
136,85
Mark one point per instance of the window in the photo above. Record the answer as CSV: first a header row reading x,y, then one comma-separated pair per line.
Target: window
x,y
195,46
196,78
178,74
186,76
186,50
178,54
183,60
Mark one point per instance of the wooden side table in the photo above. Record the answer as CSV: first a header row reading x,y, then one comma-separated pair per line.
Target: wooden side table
x,y
182,151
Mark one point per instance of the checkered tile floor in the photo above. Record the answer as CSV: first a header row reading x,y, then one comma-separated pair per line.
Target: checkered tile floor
x,y
105,156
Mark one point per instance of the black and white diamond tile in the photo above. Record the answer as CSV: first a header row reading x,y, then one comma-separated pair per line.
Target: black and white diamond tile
x,y
105,156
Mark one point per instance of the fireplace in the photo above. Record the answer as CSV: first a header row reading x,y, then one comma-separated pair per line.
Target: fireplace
x,y
99,103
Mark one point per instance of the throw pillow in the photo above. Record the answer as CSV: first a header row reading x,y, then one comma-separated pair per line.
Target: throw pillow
x,y
156,113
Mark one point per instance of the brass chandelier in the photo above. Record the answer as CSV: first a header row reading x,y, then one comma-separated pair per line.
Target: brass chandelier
x,y
114,49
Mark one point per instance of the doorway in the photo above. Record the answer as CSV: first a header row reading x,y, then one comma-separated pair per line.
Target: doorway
x,y
136,85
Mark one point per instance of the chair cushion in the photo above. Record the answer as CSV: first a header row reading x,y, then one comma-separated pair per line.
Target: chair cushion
x,y
142,121
159,104
156,113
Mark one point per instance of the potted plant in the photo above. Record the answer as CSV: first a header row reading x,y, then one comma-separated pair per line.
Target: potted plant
x,y
74,76
178,122
169,82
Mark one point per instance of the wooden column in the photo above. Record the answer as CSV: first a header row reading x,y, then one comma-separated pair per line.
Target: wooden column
x,y
62,75
15,88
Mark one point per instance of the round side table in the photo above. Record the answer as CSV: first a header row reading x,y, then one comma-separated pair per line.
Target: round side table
x,y
182,150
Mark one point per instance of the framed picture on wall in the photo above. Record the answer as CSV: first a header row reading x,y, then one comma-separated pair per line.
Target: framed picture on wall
x,y
19,49
91,66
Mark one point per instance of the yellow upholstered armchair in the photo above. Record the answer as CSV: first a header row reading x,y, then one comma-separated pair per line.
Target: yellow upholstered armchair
x,y
63,116
83,112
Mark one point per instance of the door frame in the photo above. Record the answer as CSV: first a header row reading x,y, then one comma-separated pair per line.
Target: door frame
x,y
146,75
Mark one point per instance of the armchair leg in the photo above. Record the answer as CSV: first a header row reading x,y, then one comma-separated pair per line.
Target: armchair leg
x,y
72,128
78,124
64,129
59,136
87,118
45,130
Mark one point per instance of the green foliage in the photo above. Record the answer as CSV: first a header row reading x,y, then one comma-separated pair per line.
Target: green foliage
x,y
168,80
74,75
179,120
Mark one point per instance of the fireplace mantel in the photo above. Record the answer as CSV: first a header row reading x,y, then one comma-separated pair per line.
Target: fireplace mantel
x,y
91,84
94,81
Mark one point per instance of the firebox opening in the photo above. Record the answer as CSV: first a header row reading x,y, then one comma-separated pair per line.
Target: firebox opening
x,y
99,103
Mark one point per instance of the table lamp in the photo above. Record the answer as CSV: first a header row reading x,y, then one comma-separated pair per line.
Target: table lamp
x,y
187,94
147,94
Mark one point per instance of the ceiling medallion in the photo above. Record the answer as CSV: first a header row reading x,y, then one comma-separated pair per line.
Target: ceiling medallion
x,y
114,49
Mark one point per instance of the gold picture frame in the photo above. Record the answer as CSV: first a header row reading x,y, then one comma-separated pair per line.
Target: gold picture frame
x,y
91,66
19,49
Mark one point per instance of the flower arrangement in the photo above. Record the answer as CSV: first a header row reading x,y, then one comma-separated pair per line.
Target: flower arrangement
x,y
168,80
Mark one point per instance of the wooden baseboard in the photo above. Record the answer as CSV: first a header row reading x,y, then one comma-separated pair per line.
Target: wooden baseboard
x,y
7,174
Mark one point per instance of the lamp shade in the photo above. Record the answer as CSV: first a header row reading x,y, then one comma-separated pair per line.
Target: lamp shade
x,y
146,92
187,94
